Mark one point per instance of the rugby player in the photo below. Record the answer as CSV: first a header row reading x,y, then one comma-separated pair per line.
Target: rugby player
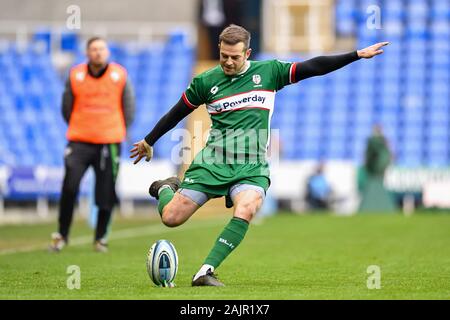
x,y
239,95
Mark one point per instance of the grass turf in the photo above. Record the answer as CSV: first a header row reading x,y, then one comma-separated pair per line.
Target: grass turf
x,y
285,257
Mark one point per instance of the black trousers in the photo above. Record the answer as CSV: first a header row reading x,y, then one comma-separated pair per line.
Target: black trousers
x,y
78,157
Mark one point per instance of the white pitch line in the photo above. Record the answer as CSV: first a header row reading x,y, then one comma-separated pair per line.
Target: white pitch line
x,y
115,235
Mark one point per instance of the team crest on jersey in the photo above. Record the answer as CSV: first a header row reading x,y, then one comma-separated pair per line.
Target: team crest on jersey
x,y
214,89
256,78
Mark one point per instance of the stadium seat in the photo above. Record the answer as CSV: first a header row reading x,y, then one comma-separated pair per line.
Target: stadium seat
x,y
345,17
69,42
43,36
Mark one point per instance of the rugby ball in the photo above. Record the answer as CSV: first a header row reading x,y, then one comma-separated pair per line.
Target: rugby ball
x,y
162,263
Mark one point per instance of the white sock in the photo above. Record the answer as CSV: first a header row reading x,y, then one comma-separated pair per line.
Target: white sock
x,y
203,270
164,186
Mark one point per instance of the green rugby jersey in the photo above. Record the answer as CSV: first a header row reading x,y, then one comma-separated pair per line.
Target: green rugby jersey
x,y
240,107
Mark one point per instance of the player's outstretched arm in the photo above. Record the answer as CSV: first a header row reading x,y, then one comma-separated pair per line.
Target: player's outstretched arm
x,y
325,64
144,148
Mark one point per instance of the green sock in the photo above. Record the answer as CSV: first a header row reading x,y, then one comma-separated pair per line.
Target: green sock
x,y
165,196
228,240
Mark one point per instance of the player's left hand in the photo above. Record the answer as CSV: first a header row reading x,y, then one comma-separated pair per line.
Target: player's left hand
x,y
141,149
372,51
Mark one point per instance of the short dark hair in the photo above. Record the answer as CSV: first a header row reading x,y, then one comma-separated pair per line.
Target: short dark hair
x,y
233,34
92,39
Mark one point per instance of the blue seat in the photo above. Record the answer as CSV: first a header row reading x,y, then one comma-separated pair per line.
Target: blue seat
x,y
440,29
438,41
337,117
345,17
440,58
417,9
388,117
309,145
313,102
311,118
361,116
437,102
440,74
438,130
437,159
409,159
360,132
43,36
393,7
287,119
440,10
440,113
69,41
289,154
356,150
389,100
393,29
336,150
438,144
310,132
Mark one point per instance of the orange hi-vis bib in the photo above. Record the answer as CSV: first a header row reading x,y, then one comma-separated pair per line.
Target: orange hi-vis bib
x,y
97,114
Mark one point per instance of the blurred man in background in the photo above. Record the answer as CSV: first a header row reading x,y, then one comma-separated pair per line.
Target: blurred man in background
x,y
98,105
378,155
319,192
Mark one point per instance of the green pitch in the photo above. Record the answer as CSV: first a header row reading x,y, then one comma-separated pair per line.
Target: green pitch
x,y
284,257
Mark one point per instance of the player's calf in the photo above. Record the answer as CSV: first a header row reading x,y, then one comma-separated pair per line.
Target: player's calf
x,y
247,200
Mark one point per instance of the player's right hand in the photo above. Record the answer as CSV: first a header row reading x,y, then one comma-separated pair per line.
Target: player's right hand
x,y
141,149
372,51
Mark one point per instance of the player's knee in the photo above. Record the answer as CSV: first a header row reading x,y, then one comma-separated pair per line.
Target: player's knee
x,y
171,218
245,211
